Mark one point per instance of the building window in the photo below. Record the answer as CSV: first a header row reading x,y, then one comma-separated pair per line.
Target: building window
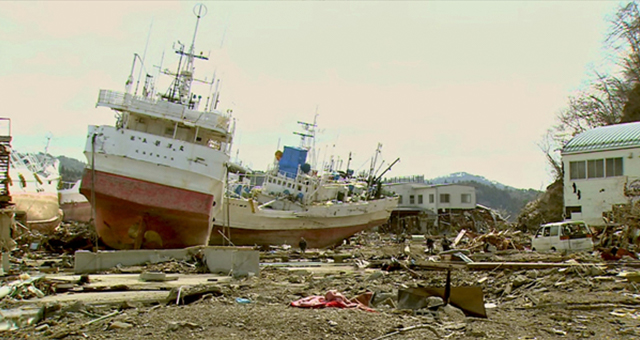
x,y
431,198
465,198
577,170
571,210
400,199
444,198
420,199
412,199
614,167
595,168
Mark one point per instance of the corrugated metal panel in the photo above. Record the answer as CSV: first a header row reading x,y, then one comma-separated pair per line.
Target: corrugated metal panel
x,y
605,138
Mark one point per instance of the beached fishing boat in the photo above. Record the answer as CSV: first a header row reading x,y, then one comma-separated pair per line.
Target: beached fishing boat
x,y
34,189
155,179
296,202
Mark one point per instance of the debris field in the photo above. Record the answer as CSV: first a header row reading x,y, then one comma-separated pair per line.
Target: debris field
x,y
525,295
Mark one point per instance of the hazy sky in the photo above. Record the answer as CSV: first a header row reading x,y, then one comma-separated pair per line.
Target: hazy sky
x,y
446,86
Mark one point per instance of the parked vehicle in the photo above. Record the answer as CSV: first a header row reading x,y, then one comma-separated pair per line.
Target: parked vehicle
x,y
563,236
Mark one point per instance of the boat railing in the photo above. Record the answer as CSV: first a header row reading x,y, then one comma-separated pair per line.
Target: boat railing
x,y
164,109
26,160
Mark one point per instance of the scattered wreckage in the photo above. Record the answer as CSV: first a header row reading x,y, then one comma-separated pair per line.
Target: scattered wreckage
x,y
479,274
53,288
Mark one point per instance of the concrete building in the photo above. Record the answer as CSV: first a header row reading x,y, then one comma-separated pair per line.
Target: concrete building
x,y
421,203
601,169
438,197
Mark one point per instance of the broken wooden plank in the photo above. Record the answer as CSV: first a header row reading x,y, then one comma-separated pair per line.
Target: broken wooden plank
x,y
458,238
188,294
440,265
516,265
528,265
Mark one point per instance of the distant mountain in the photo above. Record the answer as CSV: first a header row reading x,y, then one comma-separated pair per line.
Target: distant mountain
x,y
506,199
70,169
466,177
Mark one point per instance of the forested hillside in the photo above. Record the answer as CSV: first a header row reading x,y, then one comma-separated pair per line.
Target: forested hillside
x,y
508,201
70,169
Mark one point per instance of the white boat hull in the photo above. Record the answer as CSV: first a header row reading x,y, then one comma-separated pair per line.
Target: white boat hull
x,y
321,225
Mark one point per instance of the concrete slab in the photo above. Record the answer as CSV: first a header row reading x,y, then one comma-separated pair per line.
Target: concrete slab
x,y
105,298
90,262
232,261
133,281
138,291
236,260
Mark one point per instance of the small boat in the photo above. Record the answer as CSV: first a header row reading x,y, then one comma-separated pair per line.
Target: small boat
x,y
34,190
296,203
75,207
156,178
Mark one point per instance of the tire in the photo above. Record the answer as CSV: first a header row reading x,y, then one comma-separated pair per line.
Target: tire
x,y
553,249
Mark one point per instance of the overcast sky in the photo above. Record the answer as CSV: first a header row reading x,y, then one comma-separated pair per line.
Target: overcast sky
x,y
446,86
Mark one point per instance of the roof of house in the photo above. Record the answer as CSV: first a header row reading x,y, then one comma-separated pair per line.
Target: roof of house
x,y
609,137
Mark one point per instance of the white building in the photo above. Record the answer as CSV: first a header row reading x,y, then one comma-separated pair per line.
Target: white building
x,y
433,198
601,168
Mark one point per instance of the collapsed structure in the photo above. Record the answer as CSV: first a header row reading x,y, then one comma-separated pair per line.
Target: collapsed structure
x,y
438,208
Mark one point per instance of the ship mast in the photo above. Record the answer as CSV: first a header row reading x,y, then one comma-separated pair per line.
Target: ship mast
x,y
180,91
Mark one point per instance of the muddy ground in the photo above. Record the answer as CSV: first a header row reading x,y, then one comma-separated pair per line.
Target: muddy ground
x,y
572,303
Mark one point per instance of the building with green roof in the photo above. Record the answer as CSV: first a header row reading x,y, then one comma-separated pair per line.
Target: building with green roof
x,y
601,169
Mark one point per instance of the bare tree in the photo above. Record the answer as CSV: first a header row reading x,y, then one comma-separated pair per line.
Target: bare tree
x,y
602,104
610,99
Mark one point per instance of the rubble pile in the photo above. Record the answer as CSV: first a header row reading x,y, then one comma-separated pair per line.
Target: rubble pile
x,y
25,287
67,238
547,208
495,240
70,237
622,227
479,220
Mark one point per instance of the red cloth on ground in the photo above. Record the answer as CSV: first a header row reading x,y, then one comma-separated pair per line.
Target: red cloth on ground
x,y
332,299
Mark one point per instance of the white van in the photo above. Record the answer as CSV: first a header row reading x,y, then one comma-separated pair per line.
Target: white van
x,y
563,236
